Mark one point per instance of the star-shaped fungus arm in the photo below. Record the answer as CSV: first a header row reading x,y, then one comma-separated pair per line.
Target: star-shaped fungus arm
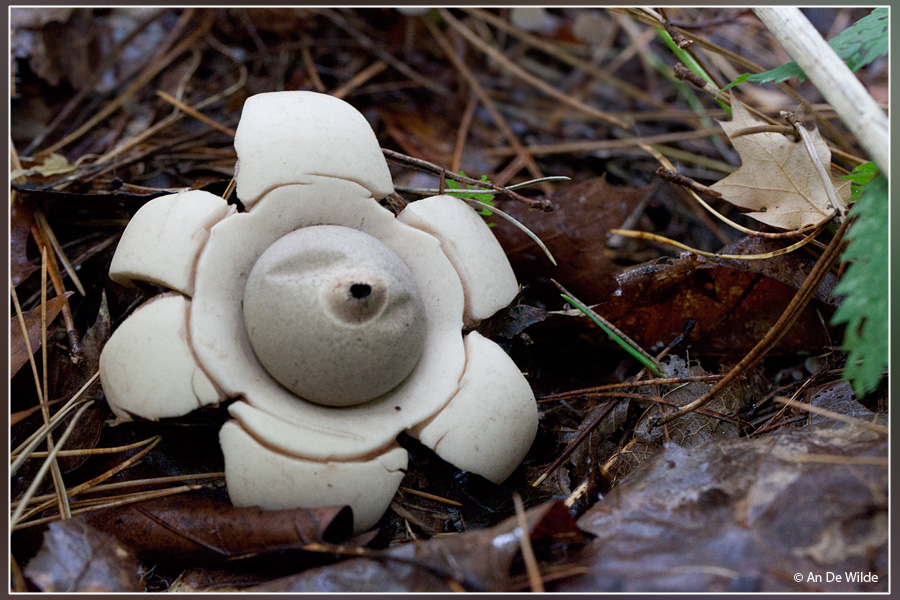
x,y
148,368
488,280
489,425
259,476
164,238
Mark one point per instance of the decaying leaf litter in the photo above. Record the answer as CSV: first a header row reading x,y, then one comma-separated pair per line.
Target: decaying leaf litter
x,y
112,107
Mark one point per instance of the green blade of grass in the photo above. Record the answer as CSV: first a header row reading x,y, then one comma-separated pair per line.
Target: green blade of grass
x,y
631,348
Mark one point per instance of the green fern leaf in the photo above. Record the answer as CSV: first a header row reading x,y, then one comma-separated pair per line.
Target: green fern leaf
x,y
864,308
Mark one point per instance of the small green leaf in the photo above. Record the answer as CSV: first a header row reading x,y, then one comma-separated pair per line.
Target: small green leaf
x,y
486,198
860,176
864,308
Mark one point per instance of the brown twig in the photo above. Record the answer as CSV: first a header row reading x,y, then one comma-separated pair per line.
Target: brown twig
x,y
832,415
462,133
359,79
87,87
424,165
367,42
835,202
194,113
55,472
682,73
521,73
680,41
559,53
422,494
587,392
48,462
310,66
652,237
41,220
531,564
684,181
664,401
60,289
74,491
128,499
105,487
582,435
595,145
35,438
765,129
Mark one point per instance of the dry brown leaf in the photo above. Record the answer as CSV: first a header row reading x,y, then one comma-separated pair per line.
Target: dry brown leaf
x,y
777,179
18,350
199,528
575,233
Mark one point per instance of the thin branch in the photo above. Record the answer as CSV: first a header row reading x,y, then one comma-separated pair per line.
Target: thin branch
x,y
835,202
424,165
531,564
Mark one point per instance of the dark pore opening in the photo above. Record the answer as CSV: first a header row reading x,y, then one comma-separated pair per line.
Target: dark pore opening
x,y
360,290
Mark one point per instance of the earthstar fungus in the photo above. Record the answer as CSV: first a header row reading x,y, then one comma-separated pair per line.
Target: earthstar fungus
x,y
332,324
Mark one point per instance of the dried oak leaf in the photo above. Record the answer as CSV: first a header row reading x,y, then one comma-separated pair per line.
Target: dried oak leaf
x,y
204,529
777,179
77,558
745,516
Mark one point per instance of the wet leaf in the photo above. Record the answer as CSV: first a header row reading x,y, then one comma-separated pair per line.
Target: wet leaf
x,y
77,558
200,528
777,179
484,560
733,302
575,233
745,516
837,397
17,349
